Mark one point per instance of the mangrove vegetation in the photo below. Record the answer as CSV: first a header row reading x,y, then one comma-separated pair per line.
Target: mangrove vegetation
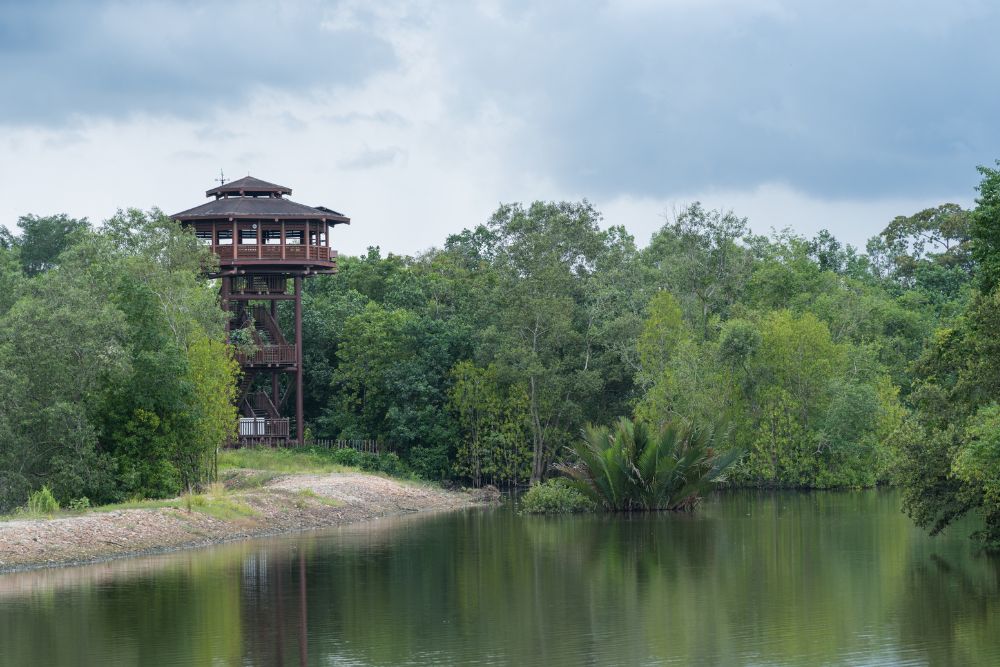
x,y
482,361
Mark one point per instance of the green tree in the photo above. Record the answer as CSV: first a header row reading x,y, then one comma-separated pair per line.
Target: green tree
x,y
213,373
43,239
698,257
492,421
946,455
543,259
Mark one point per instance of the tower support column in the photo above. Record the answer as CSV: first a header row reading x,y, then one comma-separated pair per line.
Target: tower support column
x,y
225,304
299,425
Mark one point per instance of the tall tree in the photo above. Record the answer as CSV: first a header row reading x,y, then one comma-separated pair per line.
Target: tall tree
x,y
43,239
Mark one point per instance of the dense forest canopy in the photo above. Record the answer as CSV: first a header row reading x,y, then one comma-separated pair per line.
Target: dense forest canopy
x,y
483,359
116,379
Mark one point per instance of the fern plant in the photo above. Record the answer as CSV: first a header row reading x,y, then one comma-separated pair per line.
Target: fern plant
x,y
634,466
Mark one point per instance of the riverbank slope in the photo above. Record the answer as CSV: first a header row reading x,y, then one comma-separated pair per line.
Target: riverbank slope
x,y
253,504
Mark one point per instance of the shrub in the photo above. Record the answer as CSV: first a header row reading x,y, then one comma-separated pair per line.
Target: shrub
x,y
556,496
636,467
42,502
431,463
390,464
347,457
368,461
79,504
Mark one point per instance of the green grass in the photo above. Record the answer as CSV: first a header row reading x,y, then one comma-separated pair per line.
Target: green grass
x,y
139,504
281,460
218,505
309,494
253,479
264,464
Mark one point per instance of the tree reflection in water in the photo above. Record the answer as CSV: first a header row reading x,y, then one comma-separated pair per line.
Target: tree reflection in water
x,y
752,577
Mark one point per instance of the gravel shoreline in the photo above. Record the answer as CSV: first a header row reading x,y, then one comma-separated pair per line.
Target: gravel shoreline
x,y
285,504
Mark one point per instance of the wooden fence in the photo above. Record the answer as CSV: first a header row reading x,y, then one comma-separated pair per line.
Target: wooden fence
x,y
370,446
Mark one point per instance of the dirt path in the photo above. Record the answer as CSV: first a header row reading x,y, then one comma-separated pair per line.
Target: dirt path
x,y
284,504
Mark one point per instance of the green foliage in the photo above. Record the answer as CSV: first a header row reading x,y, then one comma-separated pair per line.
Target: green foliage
x,y
432,463
42,502
634,466
947,454
43,239
310,460
493,427
480,360
390,464
103,354
986,230
213,374
503,343
79,504
555,496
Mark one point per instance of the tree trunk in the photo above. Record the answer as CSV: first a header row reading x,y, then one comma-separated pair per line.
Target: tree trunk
x,y
538,439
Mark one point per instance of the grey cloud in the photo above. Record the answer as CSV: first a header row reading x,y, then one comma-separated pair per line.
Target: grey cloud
x,y
834,98
65,60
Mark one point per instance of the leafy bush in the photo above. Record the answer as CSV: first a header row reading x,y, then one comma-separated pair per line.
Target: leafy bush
x,y
42,502
556,496
390,464
431,463
347,457
634,467
368,461
79,504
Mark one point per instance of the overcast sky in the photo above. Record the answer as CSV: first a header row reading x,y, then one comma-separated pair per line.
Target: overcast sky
x,y
417,119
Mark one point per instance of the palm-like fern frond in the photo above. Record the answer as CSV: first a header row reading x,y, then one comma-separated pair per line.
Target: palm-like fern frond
x,y
636,467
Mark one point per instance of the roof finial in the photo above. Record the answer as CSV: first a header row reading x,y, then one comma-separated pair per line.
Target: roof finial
x,y
222,178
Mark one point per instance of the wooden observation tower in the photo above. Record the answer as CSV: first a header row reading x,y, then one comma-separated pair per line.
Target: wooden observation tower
x,y
263,241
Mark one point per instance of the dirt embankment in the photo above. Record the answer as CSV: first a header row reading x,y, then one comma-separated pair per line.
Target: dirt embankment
x,y
284,504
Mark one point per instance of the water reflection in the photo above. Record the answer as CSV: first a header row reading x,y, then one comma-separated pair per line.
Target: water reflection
x,y
754,578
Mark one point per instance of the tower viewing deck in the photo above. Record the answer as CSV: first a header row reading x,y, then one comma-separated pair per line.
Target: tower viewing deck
x,y
263,241
251,226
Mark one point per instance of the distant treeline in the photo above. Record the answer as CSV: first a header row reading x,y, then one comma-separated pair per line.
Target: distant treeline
x,y
481,360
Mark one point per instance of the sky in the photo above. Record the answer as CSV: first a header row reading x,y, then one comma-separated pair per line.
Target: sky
x,y
417,119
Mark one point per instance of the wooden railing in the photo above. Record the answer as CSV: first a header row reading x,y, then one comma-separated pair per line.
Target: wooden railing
x,y
252,427
371,446
266,322
259,284
264,251
261,404
268,355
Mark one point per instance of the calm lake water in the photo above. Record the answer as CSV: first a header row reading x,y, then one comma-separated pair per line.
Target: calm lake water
x,y
751,579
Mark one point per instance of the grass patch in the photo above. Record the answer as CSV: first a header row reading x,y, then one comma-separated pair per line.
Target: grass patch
x,y
239,479
269,459
308,494
216,502
312,460
134,504
226,508
139,504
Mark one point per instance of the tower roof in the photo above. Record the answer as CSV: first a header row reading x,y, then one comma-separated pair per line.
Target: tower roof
x,y
248,186
259,207
252,198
